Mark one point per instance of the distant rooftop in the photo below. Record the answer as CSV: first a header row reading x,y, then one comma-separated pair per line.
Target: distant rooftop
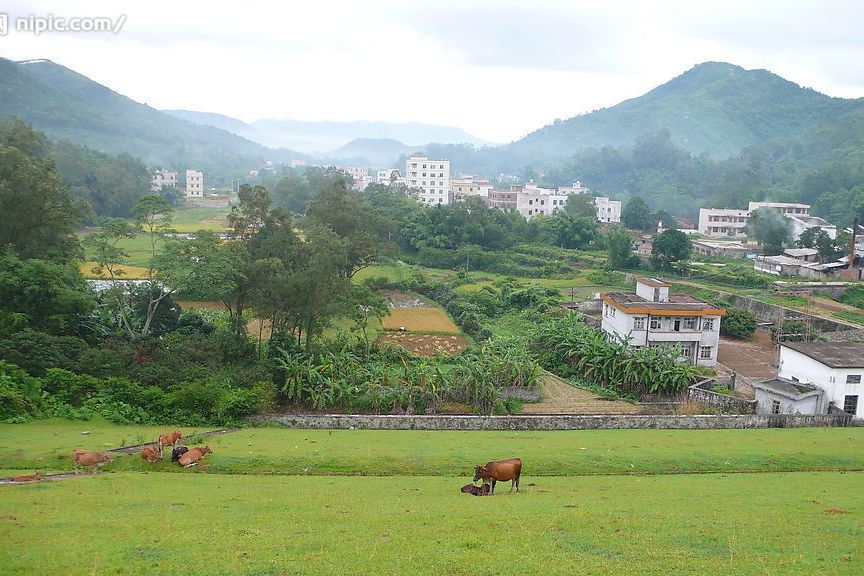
x,y
795,252
833,354
680,303
812,220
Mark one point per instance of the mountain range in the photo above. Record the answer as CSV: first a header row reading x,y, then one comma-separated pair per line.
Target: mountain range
x,y
323,138
715,109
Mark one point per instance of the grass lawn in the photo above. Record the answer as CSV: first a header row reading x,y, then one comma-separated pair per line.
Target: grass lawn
x,y
453,453
427,320
194,218
129,523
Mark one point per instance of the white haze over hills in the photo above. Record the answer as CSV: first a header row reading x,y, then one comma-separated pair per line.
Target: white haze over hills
x,y
327,137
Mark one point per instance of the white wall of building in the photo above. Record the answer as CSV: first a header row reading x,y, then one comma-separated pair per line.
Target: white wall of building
x,y
800,225
194,184
607,210
431,176
834,381
162,178
387,176
787,208
719,222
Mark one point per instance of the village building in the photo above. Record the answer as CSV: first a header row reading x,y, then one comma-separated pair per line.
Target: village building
x,y
653,317
432,177
194,184
815,378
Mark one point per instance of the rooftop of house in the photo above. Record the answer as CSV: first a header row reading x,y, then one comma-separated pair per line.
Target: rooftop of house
x,y
780,259
656,282
787,388
681,303
812,220
798,252
832,354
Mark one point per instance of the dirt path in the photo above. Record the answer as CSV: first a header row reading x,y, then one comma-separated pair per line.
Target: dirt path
x,y
560,397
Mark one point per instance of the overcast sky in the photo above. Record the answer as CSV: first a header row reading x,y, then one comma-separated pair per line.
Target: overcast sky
x,y
497,68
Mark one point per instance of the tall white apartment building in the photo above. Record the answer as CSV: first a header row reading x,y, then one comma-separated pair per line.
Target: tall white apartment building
x,y
607,210
653,317
432,177
533,201
162,178
194,184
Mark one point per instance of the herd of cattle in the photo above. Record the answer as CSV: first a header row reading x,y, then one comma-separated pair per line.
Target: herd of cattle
x,y
493,472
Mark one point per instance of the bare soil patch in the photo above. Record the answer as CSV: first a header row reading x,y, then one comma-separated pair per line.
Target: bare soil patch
x,y
560,397
427,344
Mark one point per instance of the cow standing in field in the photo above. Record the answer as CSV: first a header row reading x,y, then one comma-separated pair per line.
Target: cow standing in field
x,y
192,457
90,458
502,470
169,439
151,454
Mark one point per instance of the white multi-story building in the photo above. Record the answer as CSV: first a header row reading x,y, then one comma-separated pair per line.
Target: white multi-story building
x,y
814,377
355,172
432,177
576,188
387,176
607,210
467,186
194,184
720,222
163,178
653,317
802,223
533,201
785,208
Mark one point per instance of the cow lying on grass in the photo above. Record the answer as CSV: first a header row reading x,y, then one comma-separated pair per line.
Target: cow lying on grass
x,y
192,457
482,490
151,454
90,458
177,452
28,478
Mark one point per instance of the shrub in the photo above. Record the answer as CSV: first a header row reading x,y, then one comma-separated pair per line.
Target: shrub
x,y
36,351
237,403
854,296
19,392
68,387
738,323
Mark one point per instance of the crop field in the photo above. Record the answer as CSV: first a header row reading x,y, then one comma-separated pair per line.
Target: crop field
x,y
425,320
129,272
279,501
194,218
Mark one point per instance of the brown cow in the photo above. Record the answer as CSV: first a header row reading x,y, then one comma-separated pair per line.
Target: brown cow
x,y
502,470
169,439
192,457
151,454
90,458
29,478
482,490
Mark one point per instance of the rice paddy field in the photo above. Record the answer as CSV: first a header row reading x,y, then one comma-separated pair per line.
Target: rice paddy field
x,y
423,320
279,501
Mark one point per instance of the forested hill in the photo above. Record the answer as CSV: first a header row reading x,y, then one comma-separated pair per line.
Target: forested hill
x,y
68,105
714,108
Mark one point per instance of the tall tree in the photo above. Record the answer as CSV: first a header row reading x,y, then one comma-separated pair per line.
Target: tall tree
x,y
670,251
636,215
620,250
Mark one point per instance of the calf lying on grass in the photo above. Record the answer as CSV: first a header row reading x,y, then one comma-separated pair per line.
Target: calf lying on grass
x,y
151,454
482,490
192,457
28,478
177,452
90,458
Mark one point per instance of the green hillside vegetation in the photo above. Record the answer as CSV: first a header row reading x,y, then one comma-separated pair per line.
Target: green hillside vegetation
x,y
68,105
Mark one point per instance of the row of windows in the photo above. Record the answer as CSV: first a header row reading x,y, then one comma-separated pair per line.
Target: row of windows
x,y
726,219
678,324
686,352
432,166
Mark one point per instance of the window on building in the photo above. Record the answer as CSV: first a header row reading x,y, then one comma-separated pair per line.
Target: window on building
x,y
686,351
707,324
705,352
775,407
655,323
689,323
853,379
850,404
639,323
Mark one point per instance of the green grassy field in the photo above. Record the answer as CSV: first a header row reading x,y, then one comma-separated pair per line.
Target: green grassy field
x,y
451,453
129,523
280,501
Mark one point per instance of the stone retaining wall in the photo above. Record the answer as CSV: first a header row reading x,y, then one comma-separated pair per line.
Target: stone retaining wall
x,y
772,313
520,393
702,393
554,422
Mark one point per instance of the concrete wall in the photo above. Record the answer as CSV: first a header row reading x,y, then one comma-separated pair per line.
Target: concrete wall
x,y
771,313
554,422
524,394
702,393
